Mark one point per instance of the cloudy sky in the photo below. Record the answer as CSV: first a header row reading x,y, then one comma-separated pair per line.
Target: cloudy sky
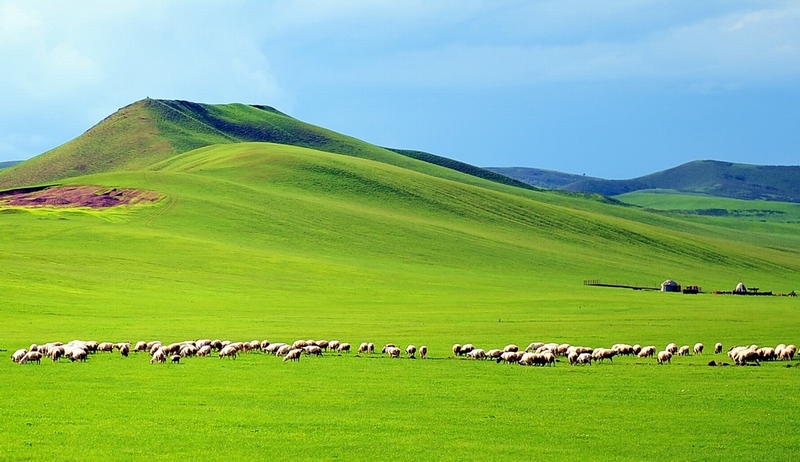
x,y
615,89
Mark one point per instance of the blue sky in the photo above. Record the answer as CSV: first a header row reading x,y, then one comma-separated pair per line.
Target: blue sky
x,y
614,89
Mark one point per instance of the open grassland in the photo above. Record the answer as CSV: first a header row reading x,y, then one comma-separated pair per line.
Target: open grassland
x,y
258,241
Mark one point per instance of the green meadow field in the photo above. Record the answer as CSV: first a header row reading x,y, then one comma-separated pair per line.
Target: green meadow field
x,y
269,241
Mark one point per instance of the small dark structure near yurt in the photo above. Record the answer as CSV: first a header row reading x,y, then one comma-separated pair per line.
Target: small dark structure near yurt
x,y
670,286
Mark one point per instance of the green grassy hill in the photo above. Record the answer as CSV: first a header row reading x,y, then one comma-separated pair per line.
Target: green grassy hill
x,y
259,240
151,130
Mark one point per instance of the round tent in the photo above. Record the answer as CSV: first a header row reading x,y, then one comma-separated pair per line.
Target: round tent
x,y
670,286
740,289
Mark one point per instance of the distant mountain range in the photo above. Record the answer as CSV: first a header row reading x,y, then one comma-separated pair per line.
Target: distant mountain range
x,y
723,179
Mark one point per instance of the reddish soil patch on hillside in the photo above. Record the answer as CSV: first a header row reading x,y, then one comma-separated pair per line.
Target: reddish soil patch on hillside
x,y
76,196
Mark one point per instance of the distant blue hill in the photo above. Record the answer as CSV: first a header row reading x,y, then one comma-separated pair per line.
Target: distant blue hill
x,y
715,178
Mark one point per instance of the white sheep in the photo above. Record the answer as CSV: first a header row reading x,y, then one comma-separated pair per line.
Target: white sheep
x,y
457,349
683,351
370,348
159,357
333,345
664,356
363,348
717,348
511,348
411,350
494,353
584,358
32,357
313,350
393,352
293,355
19,354
105,346
647,352
466,348
698,348
601,354
229,351
423,352
343,348
204,350
533,346
672,348
477,353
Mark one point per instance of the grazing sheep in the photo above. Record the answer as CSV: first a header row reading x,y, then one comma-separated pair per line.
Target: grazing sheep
x,y
105,346
672,348
188,350
637,349
32,357
159,357
562,349
154,347
313,350
511,348
533,346
140,346
584,358
789,352
411,349
683,351
767,354
647,352
393,352
622,349
323,344
125,349
457,349
56,353
216,344
477,353
284,350
527,358
204,350
299,344
363,347
18,355
344,348
228,351
370,348
601,354
698,348
717,348
510,357
578,350
466,348
175,358
293,355
78,354
664,356
494,353
333,345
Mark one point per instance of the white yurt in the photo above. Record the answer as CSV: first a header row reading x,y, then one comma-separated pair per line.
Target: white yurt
x,y
670,286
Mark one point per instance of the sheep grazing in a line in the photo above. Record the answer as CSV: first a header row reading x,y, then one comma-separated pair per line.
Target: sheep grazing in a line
x,y
477,353
56,353
284,349
370,348
78,354
647,352
767,354
204,350
511,348
466,348
622,349
228,351
344,348
698,348
333,345
175,358
787,353
423,352
363,347
683,351
584,358
411,350
637,349
125,349
299,344
536,359
741,355
393,352
664,356
672,348
717,348
323,344
457,349
140,346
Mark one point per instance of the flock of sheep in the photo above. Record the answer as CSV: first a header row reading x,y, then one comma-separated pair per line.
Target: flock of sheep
x,y
536,353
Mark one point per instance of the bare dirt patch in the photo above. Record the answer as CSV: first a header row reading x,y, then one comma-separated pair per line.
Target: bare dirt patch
x,y
77,196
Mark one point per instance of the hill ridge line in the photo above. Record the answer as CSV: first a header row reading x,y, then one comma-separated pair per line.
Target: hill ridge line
x,y
188,116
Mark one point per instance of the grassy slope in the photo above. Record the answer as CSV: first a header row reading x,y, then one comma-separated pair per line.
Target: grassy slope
x,y
268,241
150,131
